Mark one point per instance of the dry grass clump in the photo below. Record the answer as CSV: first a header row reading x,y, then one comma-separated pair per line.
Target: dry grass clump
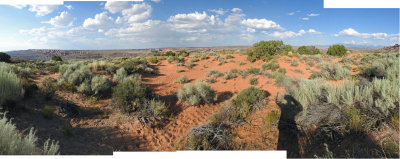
x,y
197,93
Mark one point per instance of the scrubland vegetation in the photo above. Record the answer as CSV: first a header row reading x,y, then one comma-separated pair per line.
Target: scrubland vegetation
x,y
328,106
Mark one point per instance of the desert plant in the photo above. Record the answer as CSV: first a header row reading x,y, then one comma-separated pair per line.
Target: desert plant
x,y
266,49
197,93
153,108
295,63
209,137
246,101
183,53
253,70
308,50
282,70
271,118
301,71
229,56
127,94
48,87
11,88
334,72
4,57
253,81
231,74
215,73
336,50
100,86
241,63
120,75
56,58
152,59
182,80
48,111
11,143
179,70
270,66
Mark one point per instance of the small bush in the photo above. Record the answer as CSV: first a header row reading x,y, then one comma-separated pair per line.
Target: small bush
x,y
282,70
337,50
253,81
299,71
180,64
241,63
229,56
48,88
127,94
182,80
194,60
270,66
152,59
271,118
246,100
179,70
56,58
101,86
48,112
153,108
120,75
215,73
295,63
67,128
197,93
231,74
334,72
183,54
11,88
209,137
264,50
253,70
395,120
12,143
308,50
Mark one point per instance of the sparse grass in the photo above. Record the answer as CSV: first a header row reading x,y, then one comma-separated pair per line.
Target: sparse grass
x,y
299,71
271,118
228,56
241,63
253,70
270,66
215,73
231,74
282,70
179,70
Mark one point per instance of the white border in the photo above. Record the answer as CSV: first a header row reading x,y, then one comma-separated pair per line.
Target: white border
x,y
361,3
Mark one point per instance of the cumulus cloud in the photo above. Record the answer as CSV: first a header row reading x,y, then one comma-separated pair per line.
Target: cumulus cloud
x,y
100,22
291,13
34,31
305,18
291,34
350,32
261,24
236,10
137,12
64,19
156,1
312,15
116,6
192,22
42,10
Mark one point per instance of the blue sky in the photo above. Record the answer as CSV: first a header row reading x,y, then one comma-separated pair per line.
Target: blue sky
x,y
195,23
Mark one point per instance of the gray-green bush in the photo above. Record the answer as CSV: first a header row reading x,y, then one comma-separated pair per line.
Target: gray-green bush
x,y
11,88
197,93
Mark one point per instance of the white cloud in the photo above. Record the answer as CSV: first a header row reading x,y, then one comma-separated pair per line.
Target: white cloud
x,y
42,10
236,10
117,6
291,13
353,33
19,6
291,34
156,1
64,19
192,22
312,15
69,7
137,12
261,24
34,31
219,11
305,18
100,22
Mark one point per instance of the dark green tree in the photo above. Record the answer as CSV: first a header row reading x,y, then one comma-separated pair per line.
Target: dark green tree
x,y
308,50
4,57
56,58
264,50
337,50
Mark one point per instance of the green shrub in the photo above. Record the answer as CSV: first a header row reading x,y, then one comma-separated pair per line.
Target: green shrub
x,y
253,81
182,80
101,86
180,64
271,118
241,63
245,101
169,53
153,108
48,112
295,63
197,93
4,57
229,56
308,50
300,71
282,70
11,88
336,50
171,58
270,66
355,120
56,58
11,143
127,94
395,120
183,54
48,88
231,74
264,50
120,75
194,60
152,59
253,70
215,73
